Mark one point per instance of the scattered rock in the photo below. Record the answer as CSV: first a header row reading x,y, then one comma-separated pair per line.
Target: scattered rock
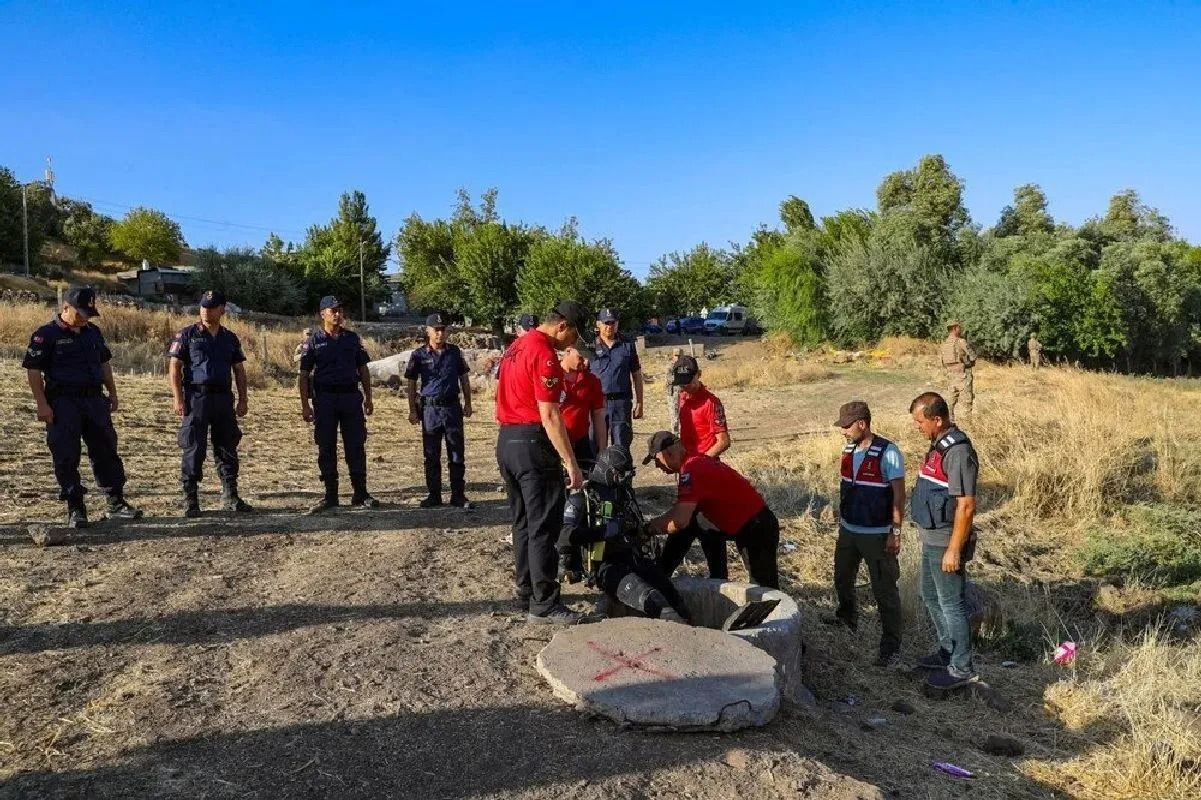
x,y
873,724
1002,746
737,759
904,707
49,535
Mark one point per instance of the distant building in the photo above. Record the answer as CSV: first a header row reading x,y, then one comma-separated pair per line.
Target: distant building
x,y
396,303
159,282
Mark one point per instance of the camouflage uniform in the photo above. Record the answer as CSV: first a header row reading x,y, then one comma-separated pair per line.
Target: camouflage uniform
x,y
958,359
673,397
1035,347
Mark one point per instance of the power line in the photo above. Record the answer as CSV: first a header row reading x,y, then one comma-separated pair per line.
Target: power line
x,y
203,220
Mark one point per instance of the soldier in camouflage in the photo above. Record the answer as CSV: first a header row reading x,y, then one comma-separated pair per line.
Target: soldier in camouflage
x,y
957,359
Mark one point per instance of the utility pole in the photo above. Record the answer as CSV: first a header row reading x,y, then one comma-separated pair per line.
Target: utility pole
x,y
25,224
362,289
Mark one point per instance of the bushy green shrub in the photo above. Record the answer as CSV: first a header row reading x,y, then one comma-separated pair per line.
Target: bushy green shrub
x,y
1158,545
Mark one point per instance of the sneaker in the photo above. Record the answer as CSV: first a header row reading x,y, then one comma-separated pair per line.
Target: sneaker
x,y
364,501
432,501
462,502
558,615
939,659
950,678
119,509
833,620
889,661
77,516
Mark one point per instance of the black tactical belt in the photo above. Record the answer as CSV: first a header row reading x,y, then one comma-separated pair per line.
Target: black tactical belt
x,y
74,391
440,402
337,388
618,396
209,388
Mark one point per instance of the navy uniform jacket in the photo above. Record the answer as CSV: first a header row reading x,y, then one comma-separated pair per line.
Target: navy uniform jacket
x,y
208,359
334,361
67,358
439,372
614,365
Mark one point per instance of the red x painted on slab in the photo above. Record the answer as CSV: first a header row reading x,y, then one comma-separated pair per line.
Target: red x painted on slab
x,y
623,661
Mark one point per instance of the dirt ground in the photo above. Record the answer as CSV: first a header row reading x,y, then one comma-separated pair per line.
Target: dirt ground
x,y
379,654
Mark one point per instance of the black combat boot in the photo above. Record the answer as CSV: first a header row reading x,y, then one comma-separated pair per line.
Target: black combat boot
x,y
77,513
230,498
118,508
458,495
330,500
191,500
359,497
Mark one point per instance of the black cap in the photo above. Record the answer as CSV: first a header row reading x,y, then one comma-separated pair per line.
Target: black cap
x,y
329,301
684,370
852,412
528,322
658,443
212,299
83,298
435,320
613,466
606,315
573,312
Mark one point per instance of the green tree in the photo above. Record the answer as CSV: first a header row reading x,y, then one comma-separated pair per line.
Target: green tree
x,y
329,259
428,270
930,196
684,283
489,256
564,266
1128,219
86,231
791,290
43,219
1028,214
796,216
147,234
251,280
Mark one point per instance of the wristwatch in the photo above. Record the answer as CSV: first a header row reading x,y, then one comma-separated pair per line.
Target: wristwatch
x,y
895,530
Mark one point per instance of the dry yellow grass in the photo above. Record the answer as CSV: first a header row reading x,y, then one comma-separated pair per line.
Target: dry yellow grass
x,y
763,372
139,339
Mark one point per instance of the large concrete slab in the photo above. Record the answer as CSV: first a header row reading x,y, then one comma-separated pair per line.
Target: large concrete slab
x,y
654,674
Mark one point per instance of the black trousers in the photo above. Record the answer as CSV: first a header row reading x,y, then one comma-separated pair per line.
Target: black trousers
x,y
613,578
340,411
534,481
884,572
758,543
209,415
78,421
585,453
438,424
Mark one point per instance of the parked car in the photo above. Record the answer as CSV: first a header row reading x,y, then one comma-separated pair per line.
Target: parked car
x,y
726,321
692,325
673,326
650,328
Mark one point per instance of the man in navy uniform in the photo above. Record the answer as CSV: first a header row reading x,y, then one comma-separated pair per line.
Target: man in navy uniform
x,y
67,365
205,364
333,367
439,410
616,364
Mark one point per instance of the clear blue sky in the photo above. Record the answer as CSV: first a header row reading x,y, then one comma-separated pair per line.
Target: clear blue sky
x,y
658,125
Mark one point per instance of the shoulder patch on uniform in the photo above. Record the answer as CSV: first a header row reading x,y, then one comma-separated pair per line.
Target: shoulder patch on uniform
x,y
38,338
685,478
550,381
550,362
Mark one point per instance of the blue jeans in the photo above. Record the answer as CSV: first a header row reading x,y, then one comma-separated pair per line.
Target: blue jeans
x,y
943,594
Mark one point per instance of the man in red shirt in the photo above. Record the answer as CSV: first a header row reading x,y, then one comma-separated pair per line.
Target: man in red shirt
x,y
583,407
702,416
532,449
728,501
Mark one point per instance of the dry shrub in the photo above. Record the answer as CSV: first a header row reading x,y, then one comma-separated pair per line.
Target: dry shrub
x,y
1076,445
764,372
139,339
900,346
1142,702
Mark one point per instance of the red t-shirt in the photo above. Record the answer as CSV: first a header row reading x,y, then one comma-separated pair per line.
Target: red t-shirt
x,y
582,395
529,374
702,417
725,497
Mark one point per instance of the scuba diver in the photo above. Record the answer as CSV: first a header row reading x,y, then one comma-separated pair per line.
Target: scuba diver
x,y
604,541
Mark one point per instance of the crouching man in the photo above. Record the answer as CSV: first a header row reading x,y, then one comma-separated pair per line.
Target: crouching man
x,y
728,501
602,540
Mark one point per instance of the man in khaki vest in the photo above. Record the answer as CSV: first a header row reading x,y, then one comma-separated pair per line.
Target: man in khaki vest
x,y
1035,348
958,359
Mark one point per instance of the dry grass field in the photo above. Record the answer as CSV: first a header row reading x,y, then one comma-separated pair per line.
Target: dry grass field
x,y
378,654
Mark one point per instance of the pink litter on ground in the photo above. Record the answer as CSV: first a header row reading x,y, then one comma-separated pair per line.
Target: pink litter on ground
x,y
1065,653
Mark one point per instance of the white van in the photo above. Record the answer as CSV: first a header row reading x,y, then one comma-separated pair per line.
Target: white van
x,y
727,321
